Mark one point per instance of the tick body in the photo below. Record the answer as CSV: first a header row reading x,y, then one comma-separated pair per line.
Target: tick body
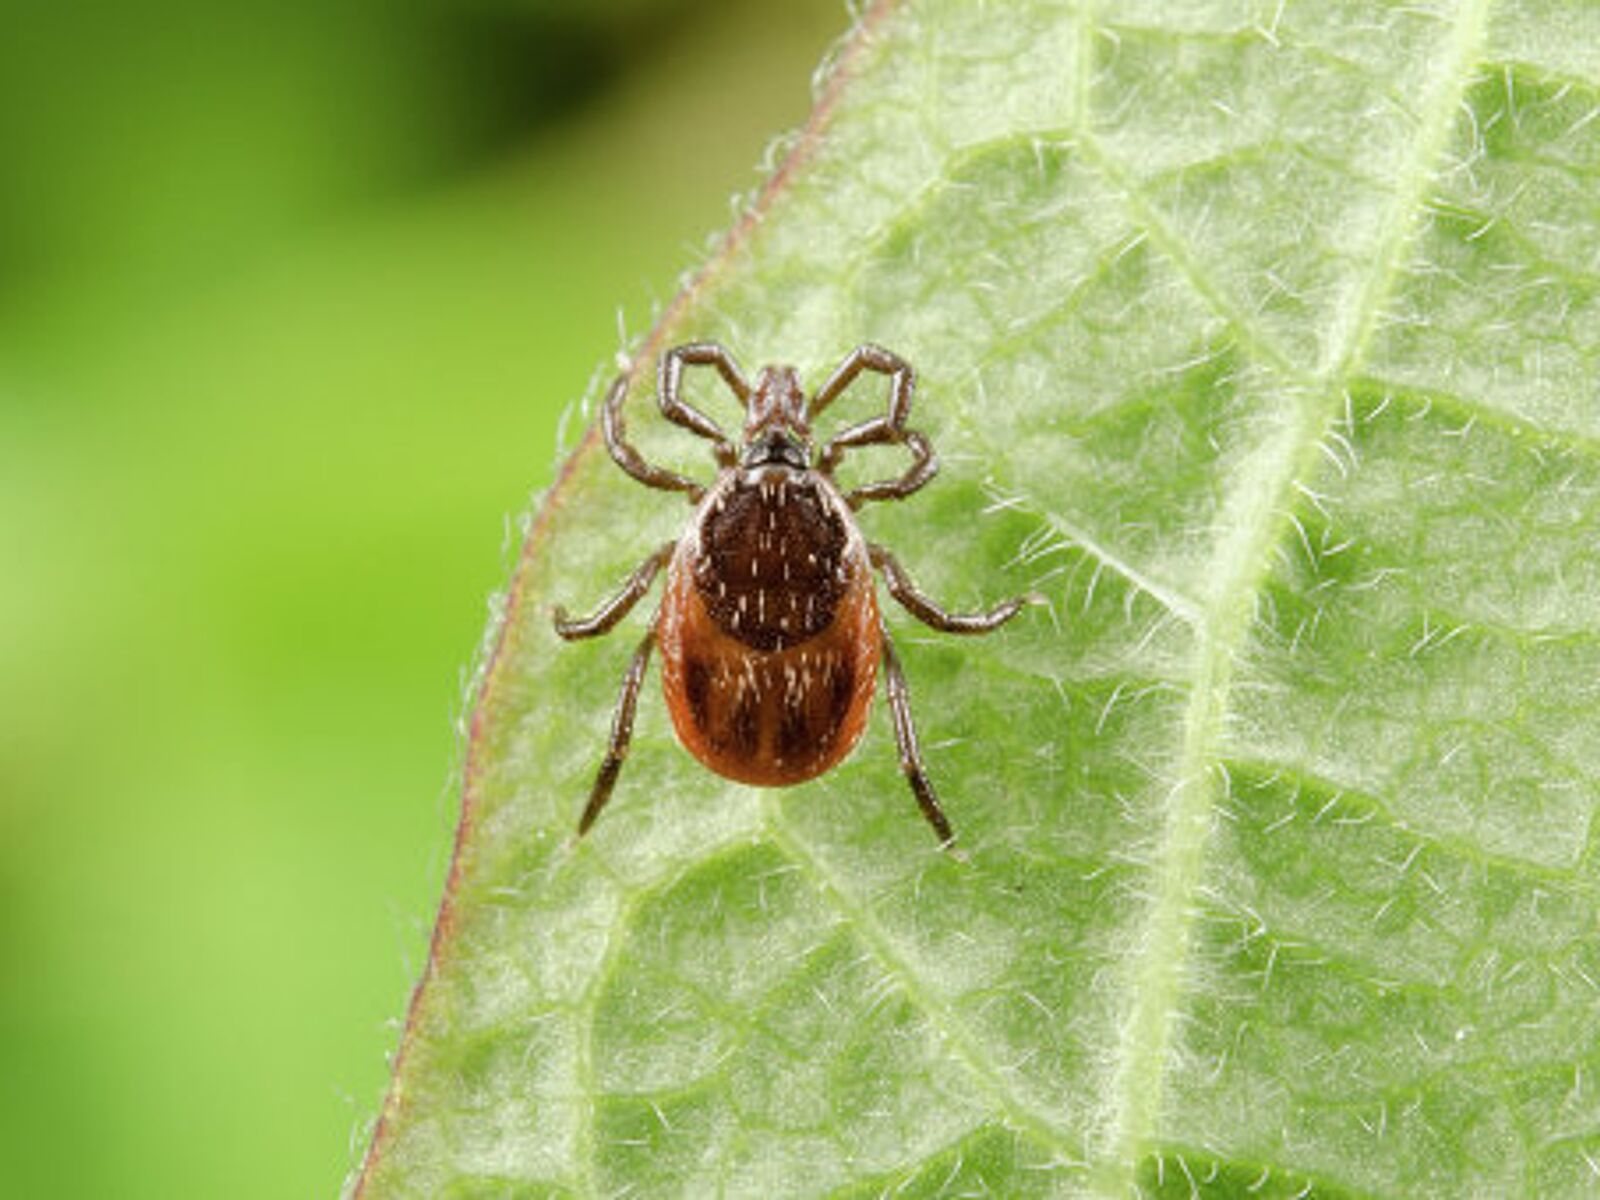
x,y
769,628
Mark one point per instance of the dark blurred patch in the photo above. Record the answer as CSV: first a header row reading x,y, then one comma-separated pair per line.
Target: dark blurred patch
x,y
164,138
524,70
524,67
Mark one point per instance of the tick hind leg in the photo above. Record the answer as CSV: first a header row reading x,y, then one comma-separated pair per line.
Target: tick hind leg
x,y
621,734
926,610
905,736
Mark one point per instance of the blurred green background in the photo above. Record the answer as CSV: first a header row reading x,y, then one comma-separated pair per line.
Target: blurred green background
x,y
293,297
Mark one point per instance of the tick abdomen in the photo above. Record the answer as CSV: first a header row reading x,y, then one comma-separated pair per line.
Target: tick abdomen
x,y
769,629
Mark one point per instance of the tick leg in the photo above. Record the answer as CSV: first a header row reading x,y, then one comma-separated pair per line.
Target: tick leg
x,y
619,606
888,429
924,466
902,382
924,609
905,736
629,459
679,412
621,735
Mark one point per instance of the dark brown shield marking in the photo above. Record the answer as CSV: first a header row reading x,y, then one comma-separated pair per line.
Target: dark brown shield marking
x,y
841,692
744,729
795,739
697,690
772,566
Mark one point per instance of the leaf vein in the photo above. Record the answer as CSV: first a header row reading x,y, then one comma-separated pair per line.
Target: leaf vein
x,y
876,940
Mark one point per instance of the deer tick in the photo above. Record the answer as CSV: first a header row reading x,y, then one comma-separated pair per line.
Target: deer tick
x,y
769,629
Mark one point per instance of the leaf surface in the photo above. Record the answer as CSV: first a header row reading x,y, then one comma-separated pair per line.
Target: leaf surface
x,y
1264,339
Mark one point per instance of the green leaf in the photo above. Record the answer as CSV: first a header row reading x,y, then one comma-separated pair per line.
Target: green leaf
x,y
1264,338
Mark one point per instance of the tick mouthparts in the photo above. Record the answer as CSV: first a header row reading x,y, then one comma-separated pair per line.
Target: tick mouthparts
x,y
775,449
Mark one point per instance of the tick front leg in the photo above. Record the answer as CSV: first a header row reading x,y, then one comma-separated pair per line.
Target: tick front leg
x,y
621,734
888,429
622,451
902,381
905,736
920,606
619,606
669,392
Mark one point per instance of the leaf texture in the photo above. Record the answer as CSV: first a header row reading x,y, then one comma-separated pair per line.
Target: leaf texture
x,y
1264,338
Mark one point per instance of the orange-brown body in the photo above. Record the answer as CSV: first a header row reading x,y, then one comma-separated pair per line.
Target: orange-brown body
x,y
769,629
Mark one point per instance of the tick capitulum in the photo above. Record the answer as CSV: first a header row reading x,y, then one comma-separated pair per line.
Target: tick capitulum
x,y
769,629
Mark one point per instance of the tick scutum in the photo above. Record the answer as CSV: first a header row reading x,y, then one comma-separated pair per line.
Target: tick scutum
x,y
772,562
772,657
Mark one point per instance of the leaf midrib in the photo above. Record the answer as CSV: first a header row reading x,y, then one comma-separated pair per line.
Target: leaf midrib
x,y
1244,556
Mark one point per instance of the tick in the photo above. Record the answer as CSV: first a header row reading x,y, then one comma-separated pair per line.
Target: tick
x,y
769,629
